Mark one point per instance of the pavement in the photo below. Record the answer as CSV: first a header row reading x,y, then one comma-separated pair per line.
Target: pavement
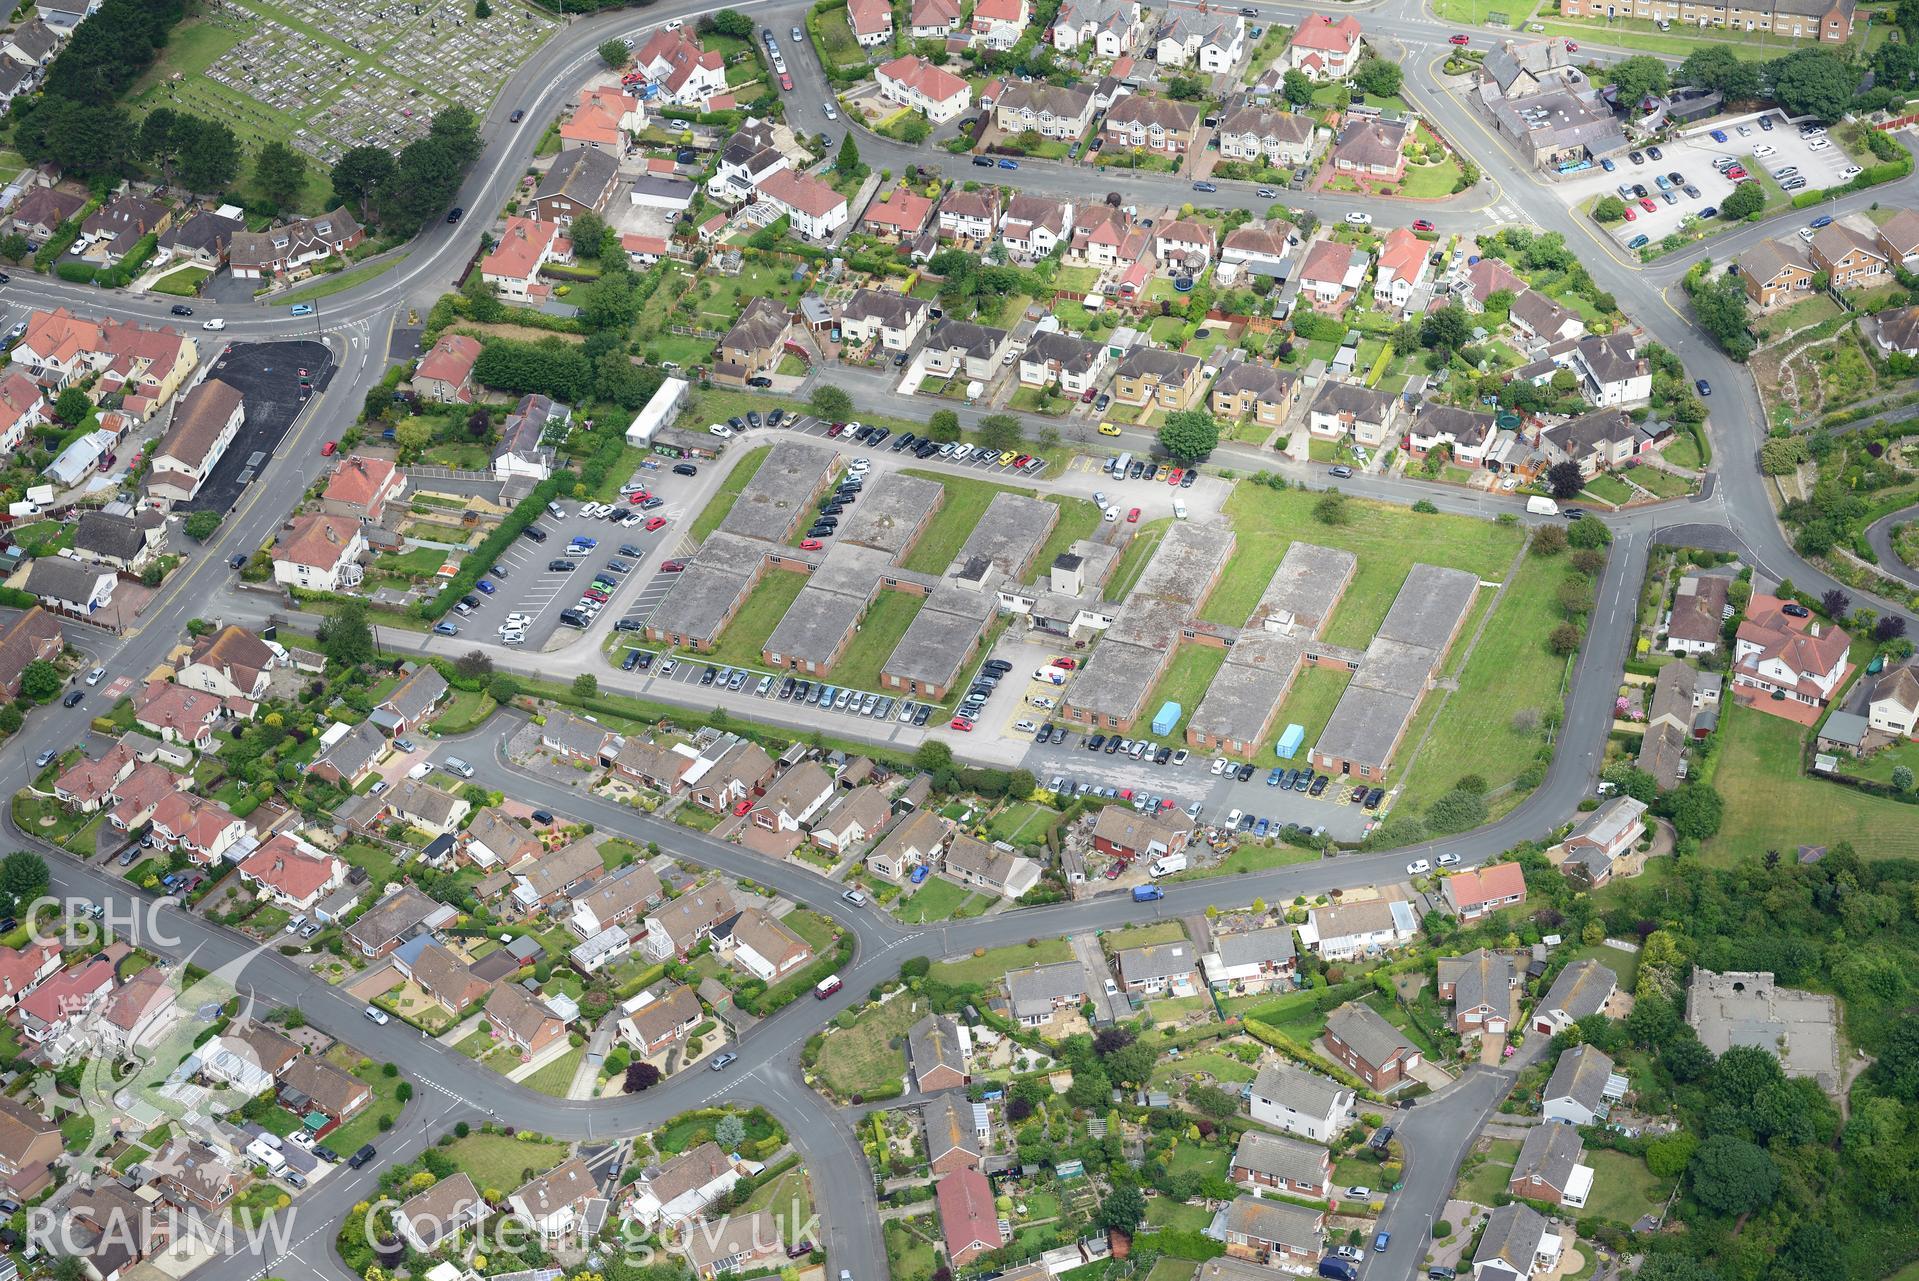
x,y
357,326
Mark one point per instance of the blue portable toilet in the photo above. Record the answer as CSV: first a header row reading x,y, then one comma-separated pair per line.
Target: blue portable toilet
x,y
1289,742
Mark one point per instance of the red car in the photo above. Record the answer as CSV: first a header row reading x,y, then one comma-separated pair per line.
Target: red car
x,y
637,497
1422,224
1113,871
327,450
1648,204
742,809
672,566
1631,214
1736,173
658,522
1572,46
1022,460
1066,664
1086,397
1178,474
963,725
1461,39
1132,517
836,429
811,545
786,82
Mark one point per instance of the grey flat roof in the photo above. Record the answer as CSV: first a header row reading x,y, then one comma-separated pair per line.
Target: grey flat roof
x,y
933,648
1116,679
770,506
1011,531
888,514
851,571
1150,622
1184,563
1306,585
1396,668
1364,725
814,625
1241,701
1429,606
700,600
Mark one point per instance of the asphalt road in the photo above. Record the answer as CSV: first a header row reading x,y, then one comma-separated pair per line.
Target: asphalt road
x,y
1735,514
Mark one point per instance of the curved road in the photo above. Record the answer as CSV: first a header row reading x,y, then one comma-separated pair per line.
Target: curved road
x,y
1733,513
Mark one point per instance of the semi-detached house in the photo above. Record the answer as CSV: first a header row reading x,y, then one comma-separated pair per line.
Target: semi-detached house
x,y
1280,138
1050,110
676,927
896,320
934,92
1151,124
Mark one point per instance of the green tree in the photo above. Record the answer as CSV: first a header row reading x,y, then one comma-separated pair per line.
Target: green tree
x,y
1331,508
72,406
1695,810
482,10
1731,1176
1668,1156
14,247
1186,88
730,1132
358,176
1813,82
731,22
847,163
1189,434
1297,87
1456,811
201,524
614,52
1447,329
209,154
39,680
1715,66
943,426
1122,1209
831,403
1378,77
587,233
933,756
345,637
1609,209
999,431
1902,778
280,173
1021,784
1742,201
586,685
1638,76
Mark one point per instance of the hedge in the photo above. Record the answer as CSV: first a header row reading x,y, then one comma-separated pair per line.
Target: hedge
x,y
1890,171
130,265
1292,1049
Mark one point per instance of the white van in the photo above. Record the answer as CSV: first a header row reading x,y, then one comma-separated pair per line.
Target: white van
x,y
1167,864
454,765
1540,506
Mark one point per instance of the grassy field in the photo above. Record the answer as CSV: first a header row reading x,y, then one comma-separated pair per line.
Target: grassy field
x,y
496,1161
1623,1190
1249,857
879,634
1771,805
722,502
957,518
364,1126
1132,561
909,1248
990,966
1144,935
936,900
1310,702
740,644
789,1197
863,1057
1078,518
1387,540
1490,1177
1511,668
1185,682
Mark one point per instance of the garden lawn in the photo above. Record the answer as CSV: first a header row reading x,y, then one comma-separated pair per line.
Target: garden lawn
x,y
740,644
1624,964
1386,539
1132,561
1623,1190
1771,805
1663,483
496,1161
979,971
1510,669
789,1197
862,1058
1608,488
1026,821
959,515
555,1077
466,709
879,634
909,1254
729,491
936,900
364,1127
1145,935
1310,702
1489,1178
1191,671
1078,519
1176,1216
1249,857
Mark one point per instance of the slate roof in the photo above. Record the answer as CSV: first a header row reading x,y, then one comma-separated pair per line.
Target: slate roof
x,y
1582,988
1280,1158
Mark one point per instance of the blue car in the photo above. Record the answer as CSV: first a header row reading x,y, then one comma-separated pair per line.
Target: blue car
x,y
1379,1242
445,629
486,587
1705,388
1272,779
1009,164
1607,165
919,873
303,309
1719,135
1205,186
588,543
1823,220
1260,828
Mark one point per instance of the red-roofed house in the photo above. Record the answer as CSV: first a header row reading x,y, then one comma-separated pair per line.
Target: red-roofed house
x,y
1402,265
86,785
968,1220
644,251
900,215
603,119
204,829
1325,48
513,268
871,20
1799,657
22,408
1332,272
65,999
319,553
933,18
361,488
445,374
816,210
286,872
23,969
914,82
687,74
178,714
1476,892
136,796
1000,23
148,364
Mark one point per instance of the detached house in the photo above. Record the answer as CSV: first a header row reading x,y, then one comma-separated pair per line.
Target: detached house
x,y
1402,268
1582,1088
894,320
522,1020
815,209
1252,387
1466,433
871,20
1367,927
661,1019
204,424
677,1191
442,1210
754,344
931,19
1288,1097
968,218
1169,380
1159,969
1251,960
319,553
291,873
1894,706
1899,239
1371,151
128,543
513,265
554,1204
1851,258
292,248
761,946
362,487
937,1050
1479,985
1041,991
1287,1165
1582,988
1475,892
1331,274
445,374
1370,1047
988,867
1151,124
962,349
1074,363
1542,319
1106,28
953,1141
1775,272
1049,110
1283,139
1548,1167
1211,39
1034,226
1800,657
1325,48
581,180
1348,409
1599,441
676,927
1273,1233
1516,1244
1606,836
